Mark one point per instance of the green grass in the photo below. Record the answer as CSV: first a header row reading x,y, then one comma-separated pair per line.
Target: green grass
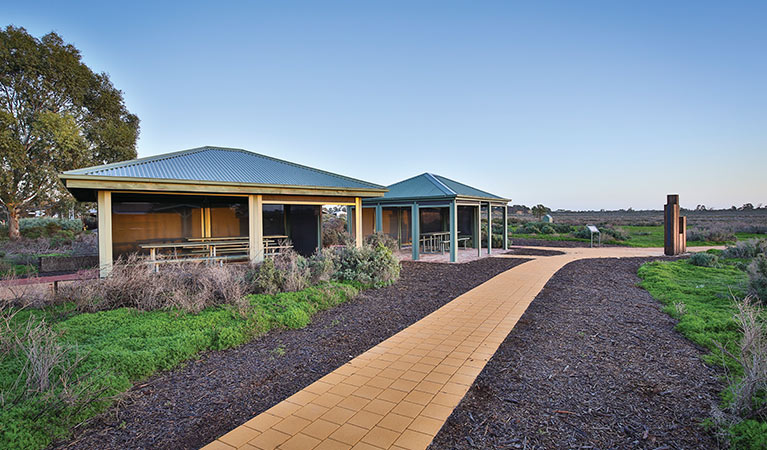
x,y
639,236
18,270
124,346
706,293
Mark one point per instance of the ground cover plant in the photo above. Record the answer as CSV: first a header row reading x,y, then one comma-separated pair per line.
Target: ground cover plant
x,y
66,362
702,292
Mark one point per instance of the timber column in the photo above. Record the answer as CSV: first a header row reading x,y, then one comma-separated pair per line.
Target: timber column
x,y
105,232
674,227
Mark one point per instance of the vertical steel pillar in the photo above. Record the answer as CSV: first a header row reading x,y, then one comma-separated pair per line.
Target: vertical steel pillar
x,y
489,228
505,227
453,232
478,229
416,226
379,218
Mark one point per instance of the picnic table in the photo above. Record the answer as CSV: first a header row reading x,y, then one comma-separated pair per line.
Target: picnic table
x,y
432,241
212,249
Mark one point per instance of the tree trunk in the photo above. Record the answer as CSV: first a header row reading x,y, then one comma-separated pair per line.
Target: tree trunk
x,y
13,223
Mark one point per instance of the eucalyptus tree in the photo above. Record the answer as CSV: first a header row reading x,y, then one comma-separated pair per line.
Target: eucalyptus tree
x,y
56,114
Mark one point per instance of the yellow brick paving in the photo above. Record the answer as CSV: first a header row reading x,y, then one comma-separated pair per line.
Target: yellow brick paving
x,y
398,394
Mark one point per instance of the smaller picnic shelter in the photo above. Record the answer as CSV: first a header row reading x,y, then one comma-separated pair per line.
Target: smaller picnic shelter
x,y
449,214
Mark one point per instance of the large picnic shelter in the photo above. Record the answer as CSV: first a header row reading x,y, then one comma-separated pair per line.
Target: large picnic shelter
x,y
212,203
449,214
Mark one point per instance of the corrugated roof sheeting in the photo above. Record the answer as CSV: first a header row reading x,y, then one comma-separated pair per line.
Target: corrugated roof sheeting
x,y
428,185
218,164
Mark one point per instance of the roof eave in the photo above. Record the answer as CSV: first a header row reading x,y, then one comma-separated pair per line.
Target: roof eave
x,y
96,182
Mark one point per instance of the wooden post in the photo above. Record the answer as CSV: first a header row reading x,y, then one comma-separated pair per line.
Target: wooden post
x,y
416,230
255,228
671,225
682,234
453,232
489,228
379,218
358,222
105,232
505,227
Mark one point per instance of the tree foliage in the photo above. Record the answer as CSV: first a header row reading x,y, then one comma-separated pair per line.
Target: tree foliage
x,y
539,211
56,114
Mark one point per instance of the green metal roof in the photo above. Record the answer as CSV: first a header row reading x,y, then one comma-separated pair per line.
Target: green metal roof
x,y
431,186
226,165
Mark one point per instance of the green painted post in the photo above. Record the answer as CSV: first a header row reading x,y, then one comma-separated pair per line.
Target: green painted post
x,y
505,227
489,228
379,218
319,230
349,215
416,234
453,232
478,229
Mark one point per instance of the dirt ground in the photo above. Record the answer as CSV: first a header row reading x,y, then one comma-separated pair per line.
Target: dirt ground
x,y
189,407
593,363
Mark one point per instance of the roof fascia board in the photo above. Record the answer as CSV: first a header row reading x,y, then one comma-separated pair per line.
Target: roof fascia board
x,y
147,184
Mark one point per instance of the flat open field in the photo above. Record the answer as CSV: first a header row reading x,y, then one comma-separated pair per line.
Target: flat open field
x,y
645,228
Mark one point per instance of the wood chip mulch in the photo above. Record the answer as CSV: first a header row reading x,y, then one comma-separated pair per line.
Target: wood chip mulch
x,y
188,407
533,252
561,244
593,363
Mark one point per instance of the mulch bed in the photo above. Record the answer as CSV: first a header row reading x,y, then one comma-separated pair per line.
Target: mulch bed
x,y
191,406
544,243
592,363
533,252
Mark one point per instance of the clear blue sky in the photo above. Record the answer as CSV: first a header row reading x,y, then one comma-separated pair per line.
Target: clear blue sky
x,y
573,104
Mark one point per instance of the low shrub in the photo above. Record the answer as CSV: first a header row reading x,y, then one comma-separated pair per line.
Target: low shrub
x,y
369,266
709,235
547,229
757,277
383,239
528,228
582,233
746,398
750,248
617,234
62,238
190,286
334,231
561,228
704,259
51,224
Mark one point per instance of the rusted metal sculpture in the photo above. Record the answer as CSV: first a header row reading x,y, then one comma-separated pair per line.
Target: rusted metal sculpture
x,y
675,227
